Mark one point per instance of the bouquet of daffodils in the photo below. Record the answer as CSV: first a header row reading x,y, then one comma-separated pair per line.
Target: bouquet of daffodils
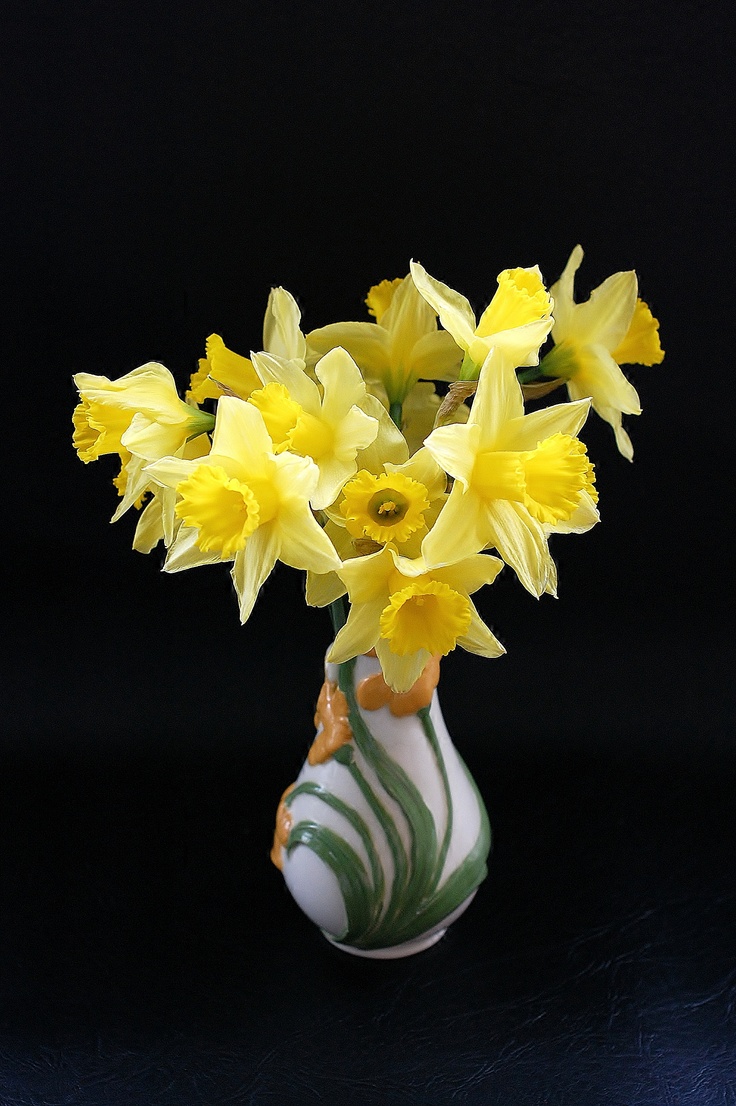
x,y
391,460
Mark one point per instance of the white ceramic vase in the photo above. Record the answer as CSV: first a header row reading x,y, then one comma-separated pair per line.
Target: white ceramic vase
x,y
383,838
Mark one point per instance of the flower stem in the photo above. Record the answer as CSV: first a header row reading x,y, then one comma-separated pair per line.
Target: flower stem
x,y
395,413
338,614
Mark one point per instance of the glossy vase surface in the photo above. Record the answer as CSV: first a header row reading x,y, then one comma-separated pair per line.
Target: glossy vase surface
x,y
383,838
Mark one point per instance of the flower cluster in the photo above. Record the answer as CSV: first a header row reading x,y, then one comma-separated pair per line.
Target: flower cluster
x,y
392,460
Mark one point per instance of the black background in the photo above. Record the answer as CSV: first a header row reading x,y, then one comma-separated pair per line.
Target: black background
x,y
165,165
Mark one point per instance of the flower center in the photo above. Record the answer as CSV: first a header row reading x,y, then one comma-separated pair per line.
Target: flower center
x,y
385,508
225,510
427,614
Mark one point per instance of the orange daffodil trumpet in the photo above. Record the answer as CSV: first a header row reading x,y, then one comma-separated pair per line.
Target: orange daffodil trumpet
x,y
321,450
593,339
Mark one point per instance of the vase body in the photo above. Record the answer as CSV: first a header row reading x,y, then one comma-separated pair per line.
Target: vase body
x,y
383,838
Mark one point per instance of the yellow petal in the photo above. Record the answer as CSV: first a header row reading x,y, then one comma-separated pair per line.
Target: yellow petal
x,y
479,639
281,333
460,531
454,310
253,565
302,541
563,295
436,356
401,673
408,319
599,377
522,543
359,634
471,573
529,431
367,343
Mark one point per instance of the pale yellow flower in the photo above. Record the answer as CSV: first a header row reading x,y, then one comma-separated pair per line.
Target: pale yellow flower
x,y
592,339
244,503
139,417
325,424
397,505
516,321
518,478
408,613
402,346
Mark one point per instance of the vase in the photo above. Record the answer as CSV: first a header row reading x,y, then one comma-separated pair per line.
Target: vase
x,y
383,838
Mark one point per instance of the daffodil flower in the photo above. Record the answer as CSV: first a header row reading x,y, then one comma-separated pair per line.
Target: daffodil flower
x,y
246,504
517,478
516,321
402,346
328,426
224,372
408,613
592,339
140,417
396,506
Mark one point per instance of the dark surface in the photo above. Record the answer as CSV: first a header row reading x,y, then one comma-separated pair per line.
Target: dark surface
x,y
165,165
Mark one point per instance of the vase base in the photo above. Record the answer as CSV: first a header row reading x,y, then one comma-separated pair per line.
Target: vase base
x,y
393,952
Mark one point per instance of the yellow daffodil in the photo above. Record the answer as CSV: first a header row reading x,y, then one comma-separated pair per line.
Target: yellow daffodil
x,y
516,321
223,372
396,505
592,339
107,409
328,426
402,346
408,613
140,417
518,478
245,503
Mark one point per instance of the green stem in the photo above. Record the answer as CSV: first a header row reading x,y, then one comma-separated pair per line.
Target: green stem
x,y
468,370
528,376
338,614
395,413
